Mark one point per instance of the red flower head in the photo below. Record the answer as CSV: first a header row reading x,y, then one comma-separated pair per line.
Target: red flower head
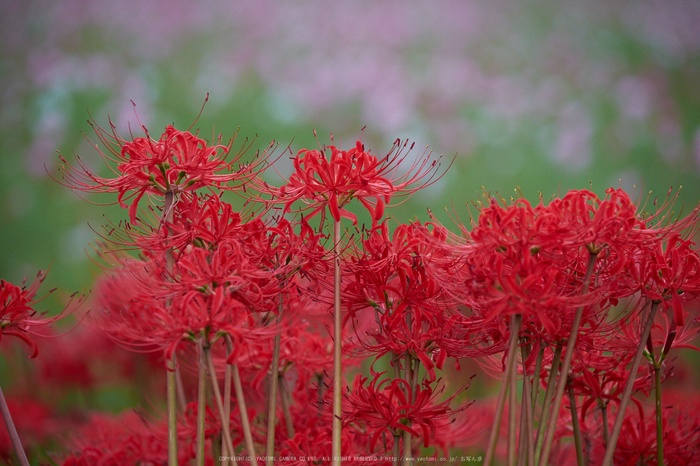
x,y
117,440
350,174
17,315
383,405
178,161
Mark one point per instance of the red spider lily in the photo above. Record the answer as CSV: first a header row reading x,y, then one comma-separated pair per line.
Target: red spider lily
x,y
305,352
355,173
198,220
429,340
600,387
65,365
211,297
613,224
178,161
283,250
512,265
637,442
187,426
383,406
391,274
669,335
530,261
468,431
116,441
227,269
17,315
676,276
392,280
36,423
312,446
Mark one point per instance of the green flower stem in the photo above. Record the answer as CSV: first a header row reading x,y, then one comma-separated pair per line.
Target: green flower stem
x,y
398,457
284,397
12,431
201,408
243,411
659,418
217,447
274,379
522,448
620,416
229,451
227,394
337,345
606,424
510,361
408,374
564,373
172,411
397,450
171,365
527,445
272,402
536,377
574,421
513,400
180,388
547,402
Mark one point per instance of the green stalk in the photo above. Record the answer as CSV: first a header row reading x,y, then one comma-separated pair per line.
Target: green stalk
x,y
526,447
227,394
510,361
272,403
171,366
547,402
574,421
536,377
659,418
408,374
337,346
397,451
522,449
229,451
620,416
180,388
398,457
274,379
217,448
606,425
284,397
201,408
172,411
529,426
12,431
243,411
512,405
564,373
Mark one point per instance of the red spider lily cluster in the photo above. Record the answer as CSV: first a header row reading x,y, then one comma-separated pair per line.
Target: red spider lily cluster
x,y
261,349
18,316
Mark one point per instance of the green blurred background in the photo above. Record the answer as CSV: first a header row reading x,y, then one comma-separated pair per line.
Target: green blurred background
x,y
544,95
